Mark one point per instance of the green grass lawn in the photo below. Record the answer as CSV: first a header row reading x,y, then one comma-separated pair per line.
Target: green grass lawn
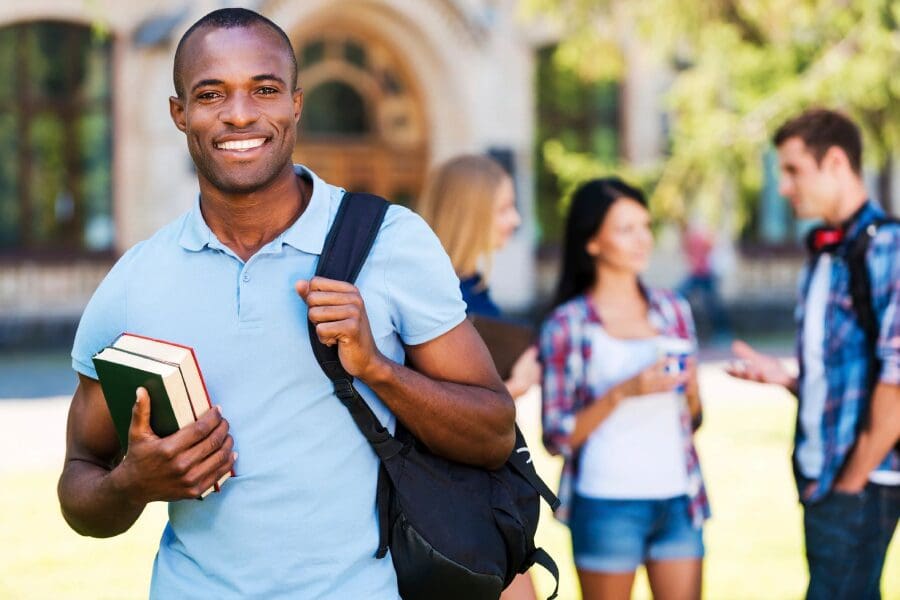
x,y
754,541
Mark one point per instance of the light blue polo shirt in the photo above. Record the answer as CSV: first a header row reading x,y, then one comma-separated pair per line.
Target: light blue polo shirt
x,y
299,519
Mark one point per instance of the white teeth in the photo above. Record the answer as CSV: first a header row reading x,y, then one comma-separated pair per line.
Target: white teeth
x,y
241,144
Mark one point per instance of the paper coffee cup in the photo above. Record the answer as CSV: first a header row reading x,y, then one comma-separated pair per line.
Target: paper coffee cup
x,y
676,352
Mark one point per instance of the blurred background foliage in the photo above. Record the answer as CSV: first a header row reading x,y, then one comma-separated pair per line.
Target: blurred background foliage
x,y
738,68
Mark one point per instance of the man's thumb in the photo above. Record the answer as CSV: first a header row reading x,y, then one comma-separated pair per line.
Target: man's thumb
x,y
140,414
302,287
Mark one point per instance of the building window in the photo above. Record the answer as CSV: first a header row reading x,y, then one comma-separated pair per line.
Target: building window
x,y
363,125
55,140
335,108
584,117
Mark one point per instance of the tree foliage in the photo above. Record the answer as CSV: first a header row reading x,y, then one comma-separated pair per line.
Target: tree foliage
x,y
739,68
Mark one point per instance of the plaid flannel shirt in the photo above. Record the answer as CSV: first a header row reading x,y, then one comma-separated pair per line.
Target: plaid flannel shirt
x,y
846,355
565,352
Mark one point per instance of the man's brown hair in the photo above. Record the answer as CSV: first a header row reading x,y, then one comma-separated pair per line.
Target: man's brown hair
x,y
821,129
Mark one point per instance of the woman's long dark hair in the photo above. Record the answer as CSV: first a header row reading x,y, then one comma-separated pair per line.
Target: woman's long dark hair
x,y
588,210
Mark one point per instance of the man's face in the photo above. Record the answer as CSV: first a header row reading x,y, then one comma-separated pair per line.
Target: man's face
x,y
811,187
238,112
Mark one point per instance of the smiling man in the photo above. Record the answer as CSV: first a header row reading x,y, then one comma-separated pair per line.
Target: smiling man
x,y
848,418
233,278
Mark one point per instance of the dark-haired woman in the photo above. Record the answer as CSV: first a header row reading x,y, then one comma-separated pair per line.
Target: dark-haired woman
x,y
620,412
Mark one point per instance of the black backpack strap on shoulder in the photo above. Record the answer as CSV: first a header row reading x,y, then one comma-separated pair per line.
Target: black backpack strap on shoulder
x,y
860,285
861,297
541,557
347,245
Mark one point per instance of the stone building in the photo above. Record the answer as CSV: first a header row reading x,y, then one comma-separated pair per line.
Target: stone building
x,y
90,162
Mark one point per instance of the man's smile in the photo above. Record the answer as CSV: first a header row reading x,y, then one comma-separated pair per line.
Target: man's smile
x,y
241,144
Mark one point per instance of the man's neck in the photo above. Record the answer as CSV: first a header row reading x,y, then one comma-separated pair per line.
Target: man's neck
x,y
247,222
849,206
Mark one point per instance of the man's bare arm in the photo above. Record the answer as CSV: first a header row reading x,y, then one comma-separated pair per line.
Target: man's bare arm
x,y
453,400
875,441
90,501
103,496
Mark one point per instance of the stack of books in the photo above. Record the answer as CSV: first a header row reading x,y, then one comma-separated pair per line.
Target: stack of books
x,y
171,375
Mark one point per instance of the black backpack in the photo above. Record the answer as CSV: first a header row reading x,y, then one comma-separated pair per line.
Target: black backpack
x,y
861,296
454,531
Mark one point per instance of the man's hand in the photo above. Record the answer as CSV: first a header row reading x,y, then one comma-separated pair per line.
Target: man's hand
x,y
754,366
452,399
182,465
881,433
337,310
101,496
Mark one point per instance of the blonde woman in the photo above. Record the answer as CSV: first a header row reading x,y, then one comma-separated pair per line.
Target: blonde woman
x,y
469,201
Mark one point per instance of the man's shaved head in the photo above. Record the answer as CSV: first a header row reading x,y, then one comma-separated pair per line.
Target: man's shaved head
x,y
227,18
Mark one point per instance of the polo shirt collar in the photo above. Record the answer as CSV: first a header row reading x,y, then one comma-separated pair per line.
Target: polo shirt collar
x,y
306,234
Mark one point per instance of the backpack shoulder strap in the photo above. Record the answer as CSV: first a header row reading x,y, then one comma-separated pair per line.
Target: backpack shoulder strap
x,y
347,245
540,556
860,285
351,236
346,248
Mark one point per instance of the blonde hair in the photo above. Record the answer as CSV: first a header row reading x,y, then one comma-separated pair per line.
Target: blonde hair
x,y
458,204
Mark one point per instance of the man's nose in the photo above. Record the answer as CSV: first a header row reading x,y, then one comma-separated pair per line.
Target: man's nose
x,y
240,111
516,219
785,187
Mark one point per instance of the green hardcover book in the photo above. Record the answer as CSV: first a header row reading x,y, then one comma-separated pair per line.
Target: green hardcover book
x,y
121,373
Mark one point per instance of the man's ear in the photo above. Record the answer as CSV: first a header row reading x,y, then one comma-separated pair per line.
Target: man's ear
x,y
298,104
835,159
176,110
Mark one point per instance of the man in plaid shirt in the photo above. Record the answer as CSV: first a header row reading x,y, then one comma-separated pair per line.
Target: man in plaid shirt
x,y
845,461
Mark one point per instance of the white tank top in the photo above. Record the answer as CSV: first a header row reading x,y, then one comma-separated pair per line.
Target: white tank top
x,y
638,451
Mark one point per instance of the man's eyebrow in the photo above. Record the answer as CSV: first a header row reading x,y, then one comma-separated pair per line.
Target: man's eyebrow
x,y
205,82
269,77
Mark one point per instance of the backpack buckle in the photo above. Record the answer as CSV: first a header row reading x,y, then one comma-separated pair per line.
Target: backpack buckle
x,y
344,390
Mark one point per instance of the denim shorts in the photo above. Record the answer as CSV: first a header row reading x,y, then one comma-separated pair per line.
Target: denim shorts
x,y
616,536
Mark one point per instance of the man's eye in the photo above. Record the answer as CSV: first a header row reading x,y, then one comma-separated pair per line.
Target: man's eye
x,y
207,96
266,91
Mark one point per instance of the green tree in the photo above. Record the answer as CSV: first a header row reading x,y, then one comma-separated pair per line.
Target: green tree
x,y
740,67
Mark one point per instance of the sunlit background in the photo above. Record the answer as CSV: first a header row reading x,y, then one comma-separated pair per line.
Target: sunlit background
x,y
679,96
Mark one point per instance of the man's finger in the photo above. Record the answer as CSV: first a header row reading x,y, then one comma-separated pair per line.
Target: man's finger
x,y
737,369
323,298
190,435
743,350
209,445
213,467
333,331
325,314
322,284
140,415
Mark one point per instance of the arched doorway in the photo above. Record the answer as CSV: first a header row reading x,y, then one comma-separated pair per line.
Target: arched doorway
x,y
363,125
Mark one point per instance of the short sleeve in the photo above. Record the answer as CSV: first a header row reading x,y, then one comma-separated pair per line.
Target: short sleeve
x,y
561,363
103,319
426,301
886,287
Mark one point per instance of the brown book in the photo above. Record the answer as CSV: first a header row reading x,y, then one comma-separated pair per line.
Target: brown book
x,y
505,340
